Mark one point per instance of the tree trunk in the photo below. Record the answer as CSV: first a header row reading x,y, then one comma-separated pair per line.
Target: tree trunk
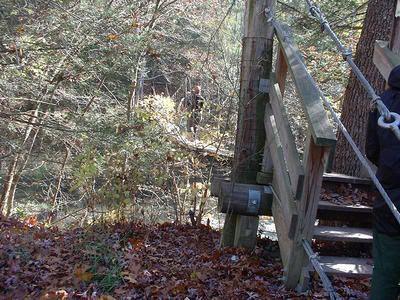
x,y
378,25
53,213
5,194
17,166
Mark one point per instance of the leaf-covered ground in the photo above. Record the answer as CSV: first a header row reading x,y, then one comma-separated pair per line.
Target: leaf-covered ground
x,y
346,194
135,261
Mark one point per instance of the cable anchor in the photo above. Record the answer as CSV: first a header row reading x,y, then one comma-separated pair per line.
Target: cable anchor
x,y
394,125
347,53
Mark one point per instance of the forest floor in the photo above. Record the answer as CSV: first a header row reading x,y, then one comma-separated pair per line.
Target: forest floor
x,y
136,261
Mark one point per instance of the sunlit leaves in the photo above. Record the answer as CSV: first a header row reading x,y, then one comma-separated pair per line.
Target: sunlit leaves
x,y
83,274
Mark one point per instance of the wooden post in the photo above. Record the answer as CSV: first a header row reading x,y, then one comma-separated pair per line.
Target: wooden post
x,y
256,67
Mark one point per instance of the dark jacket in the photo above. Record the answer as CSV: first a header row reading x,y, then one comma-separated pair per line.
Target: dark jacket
x,y
383,149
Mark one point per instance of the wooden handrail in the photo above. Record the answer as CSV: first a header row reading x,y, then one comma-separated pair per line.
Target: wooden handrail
x,y
318,122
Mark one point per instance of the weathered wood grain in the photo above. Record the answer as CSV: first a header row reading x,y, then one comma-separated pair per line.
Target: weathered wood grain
x,y
314,165
281,69
384,59
295,168
281,181
307,90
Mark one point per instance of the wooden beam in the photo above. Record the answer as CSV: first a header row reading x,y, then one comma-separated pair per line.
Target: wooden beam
x,y
264,178
314,164
256,66
343,234
307,90
245,228
281,181
347,266
281,69
282,231
384,59
295,168
342,178
228,236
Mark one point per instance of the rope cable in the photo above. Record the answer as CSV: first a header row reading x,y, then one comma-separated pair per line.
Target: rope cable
x,y
313,257
388,119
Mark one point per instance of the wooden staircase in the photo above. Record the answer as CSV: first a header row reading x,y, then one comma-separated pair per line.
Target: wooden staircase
x,y
346,230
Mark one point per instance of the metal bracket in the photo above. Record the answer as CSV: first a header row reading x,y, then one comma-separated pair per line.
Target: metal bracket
x,y
254,201
264,85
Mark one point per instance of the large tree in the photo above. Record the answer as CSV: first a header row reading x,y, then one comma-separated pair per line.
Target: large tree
x,y
379,24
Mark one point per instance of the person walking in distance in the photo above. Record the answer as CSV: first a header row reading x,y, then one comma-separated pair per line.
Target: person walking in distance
x,y
194,106
383,149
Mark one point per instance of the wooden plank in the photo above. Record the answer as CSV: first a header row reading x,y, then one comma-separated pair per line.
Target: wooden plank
x,y
295,168
314,164
325,205
346,214
267,164
281,181
282,231
281,69
329,164
384,59
347,266
341,178
244,234
228,231
343,234
264,178
318,122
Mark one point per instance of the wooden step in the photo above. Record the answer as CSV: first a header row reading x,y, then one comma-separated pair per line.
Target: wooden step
x,y
346,213
347,266
343,234
325,205
341,178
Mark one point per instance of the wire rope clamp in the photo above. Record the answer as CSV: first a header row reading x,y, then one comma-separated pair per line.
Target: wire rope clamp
x,y
347,53
269,15
393,125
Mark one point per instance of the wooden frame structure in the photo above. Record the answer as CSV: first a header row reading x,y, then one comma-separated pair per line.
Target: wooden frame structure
x,y
292,182
297,183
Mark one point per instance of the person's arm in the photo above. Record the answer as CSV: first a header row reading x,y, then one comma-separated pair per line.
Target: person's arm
x,y
372,140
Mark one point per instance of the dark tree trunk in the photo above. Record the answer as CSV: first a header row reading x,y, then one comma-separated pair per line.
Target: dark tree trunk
x,y
378,25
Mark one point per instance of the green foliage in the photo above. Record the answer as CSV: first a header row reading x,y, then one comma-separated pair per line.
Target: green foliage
x,y
322,58
105,264
105,79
